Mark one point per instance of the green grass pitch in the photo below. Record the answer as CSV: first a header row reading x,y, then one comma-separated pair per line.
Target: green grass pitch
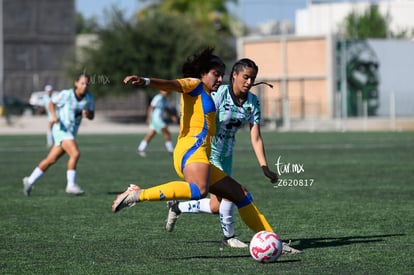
x,y
345,199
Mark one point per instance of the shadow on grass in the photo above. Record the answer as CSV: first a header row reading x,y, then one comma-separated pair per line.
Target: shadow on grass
x,y
339,241
225,257
223,253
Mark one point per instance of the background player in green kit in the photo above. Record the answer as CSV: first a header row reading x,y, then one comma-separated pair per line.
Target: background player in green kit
x,y
235,105
157,123
67,110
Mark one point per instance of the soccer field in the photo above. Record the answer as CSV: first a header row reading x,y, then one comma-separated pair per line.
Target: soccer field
x,y
345,199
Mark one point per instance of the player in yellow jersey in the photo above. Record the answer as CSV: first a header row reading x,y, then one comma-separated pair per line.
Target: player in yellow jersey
x,y
203,73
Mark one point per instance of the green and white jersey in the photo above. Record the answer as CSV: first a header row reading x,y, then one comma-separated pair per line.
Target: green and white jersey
x,y
159,104
230,117
69,109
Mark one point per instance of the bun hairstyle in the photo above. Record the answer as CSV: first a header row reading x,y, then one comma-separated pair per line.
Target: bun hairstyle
x,y
83,75
201,63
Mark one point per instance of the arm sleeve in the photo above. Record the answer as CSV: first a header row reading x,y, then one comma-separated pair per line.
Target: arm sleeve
x,y
188,84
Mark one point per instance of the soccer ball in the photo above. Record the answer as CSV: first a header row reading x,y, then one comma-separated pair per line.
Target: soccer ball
x,y
265,246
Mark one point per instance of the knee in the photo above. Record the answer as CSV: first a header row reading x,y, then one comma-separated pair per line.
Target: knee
x,y
75,155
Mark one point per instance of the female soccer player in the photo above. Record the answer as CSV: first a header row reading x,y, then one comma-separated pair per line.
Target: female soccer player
x,y
235,105
67,110
157,123
203,73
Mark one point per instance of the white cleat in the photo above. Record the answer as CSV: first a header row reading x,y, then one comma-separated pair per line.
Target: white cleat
x,y
235,243
27,187
74,190
287,249
129,198
173,214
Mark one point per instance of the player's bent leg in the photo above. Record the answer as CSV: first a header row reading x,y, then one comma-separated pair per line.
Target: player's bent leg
x,y
251,216
173,190
175,208
52,157
72,150
228,188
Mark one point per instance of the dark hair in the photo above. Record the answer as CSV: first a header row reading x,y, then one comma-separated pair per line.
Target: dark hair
x,y
241,65
201,63
83,75
80,76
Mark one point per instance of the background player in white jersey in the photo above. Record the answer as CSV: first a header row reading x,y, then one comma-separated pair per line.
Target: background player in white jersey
x,y
157,123
67,110
46,100
235,105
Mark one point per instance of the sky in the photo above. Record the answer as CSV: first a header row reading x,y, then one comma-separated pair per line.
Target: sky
x,y
252,12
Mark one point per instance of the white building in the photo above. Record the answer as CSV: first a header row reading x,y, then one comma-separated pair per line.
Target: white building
x,y
326,18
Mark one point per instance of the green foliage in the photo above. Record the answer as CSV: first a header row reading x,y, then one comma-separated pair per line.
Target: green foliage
x,y
371,24
356,218
154,47
86,25
212,14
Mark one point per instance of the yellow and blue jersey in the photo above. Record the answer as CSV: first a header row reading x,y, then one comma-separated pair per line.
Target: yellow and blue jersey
x,y
198,111
197,125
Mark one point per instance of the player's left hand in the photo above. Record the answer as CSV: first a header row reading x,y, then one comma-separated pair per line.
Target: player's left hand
x,y
271,175
88,114
134,79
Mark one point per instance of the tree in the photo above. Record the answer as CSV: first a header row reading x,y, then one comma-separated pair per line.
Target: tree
x,y
371,24
211,15
156,46
84,25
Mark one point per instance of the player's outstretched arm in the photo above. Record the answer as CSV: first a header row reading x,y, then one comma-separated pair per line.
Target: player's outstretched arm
x,y
161,84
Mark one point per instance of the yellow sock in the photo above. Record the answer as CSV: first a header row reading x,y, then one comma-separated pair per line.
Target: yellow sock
x,y
173,190
253,218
